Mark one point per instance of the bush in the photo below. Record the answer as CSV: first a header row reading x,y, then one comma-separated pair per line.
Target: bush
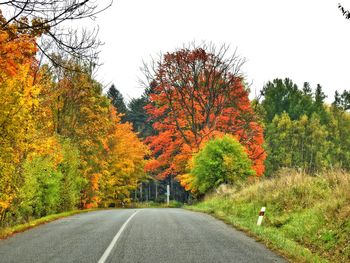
x,y
221,161
50,185
40,193
72,181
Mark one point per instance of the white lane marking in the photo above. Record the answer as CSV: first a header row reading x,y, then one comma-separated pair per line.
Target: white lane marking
x,y
115,239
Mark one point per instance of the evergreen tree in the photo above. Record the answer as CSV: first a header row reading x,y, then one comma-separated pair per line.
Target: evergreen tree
x,y
345,100
319,104
284,96
319,97
337,99
117,100
139,118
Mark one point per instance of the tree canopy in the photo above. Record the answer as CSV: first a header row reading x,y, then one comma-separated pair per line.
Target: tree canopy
x,y
221,161
196,94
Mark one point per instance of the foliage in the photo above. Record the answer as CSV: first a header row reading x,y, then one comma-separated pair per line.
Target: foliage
x,y
62,145
284,96
81,113
221,161
71,182
301,131
138,116
339,137
300,143
51,183
342,101
117,100
18,100
196,94
40,193
124,155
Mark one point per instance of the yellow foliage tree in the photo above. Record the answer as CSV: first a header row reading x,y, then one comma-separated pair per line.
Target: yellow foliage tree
x,y
18,100
125,160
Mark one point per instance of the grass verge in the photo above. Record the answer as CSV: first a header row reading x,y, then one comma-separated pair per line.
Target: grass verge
x,y
8,231
307,217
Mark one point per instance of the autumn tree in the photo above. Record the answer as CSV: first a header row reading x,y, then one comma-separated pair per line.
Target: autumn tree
x,y
124,154
81,113
19,97
196,94
62,145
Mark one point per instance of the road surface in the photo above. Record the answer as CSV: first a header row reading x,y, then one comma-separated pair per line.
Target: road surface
x,y
135,235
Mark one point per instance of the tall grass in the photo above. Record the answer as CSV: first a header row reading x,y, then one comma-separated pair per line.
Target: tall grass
x,y
307,217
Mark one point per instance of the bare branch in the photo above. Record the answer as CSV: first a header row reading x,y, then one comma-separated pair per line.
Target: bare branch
x,y
52,20
346,13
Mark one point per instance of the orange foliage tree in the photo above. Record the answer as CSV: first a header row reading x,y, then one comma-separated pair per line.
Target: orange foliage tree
x,y
195,95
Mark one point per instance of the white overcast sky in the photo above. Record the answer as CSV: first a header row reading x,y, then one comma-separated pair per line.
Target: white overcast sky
x,y
305,40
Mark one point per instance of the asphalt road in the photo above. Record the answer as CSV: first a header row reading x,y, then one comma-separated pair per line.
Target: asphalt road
x,y
135,235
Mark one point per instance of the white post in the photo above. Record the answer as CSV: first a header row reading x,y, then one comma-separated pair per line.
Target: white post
x,y
261,215
167,194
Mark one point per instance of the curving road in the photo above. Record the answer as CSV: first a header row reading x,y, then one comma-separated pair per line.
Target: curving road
x,y
135,235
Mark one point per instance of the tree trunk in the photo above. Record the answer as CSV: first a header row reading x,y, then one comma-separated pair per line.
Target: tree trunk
x,y
156,199
141,192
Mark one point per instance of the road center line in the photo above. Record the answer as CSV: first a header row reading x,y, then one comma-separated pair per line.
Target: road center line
x,y
115,239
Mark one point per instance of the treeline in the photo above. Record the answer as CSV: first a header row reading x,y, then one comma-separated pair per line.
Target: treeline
x,y
192,96
301,130
151,188
62,144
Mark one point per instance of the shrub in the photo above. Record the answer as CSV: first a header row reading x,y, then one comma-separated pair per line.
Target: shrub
x,y
222,160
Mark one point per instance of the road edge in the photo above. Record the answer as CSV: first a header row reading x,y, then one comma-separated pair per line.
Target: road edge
x,y
269,245
10,231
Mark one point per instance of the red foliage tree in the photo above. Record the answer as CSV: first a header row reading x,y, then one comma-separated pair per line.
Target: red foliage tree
x,y
195,95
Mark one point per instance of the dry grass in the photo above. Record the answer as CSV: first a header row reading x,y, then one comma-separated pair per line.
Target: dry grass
x,y
309,215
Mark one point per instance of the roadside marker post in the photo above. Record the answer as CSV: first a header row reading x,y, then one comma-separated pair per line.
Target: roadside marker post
x,y
261,215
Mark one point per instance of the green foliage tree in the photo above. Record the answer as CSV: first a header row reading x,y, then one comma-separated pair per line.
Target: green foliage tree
x,y
40,193
222,160
138,116
72,181
339,134
345,99
285,96
299,143
117,100
51,183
